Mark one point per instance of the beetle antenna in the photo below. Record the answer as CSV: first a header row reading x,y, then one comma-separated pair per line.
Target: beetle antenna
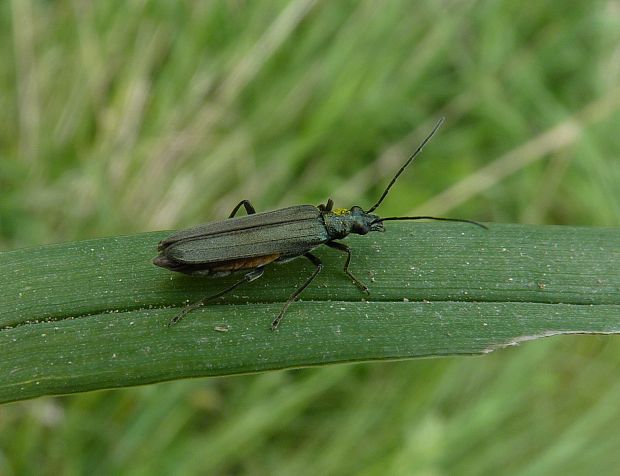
x,y
380,220
415,154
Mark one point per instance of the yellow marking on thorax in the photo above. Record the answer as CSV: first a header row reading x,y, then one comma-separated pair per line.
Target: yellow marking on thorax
x,y
340,211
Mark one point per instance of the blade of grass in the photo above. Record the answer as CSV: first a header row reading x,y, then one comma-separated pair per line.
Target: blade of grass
x,y
538,148
92,314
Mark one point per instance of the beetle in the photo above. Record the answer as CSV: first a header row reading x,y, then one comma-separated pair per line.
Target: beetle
x,y
249,243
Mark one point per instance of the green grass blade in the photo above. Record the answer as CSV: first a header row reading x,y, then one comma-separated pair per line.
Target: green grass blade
x,y
92,314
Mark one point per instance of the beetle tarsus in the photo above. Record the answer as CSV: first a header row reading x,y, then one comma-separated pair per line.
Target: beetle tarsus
x,y
186,310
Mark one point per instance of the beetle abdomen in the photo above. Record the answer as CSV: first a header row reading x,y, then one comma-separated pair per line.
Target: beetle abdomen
x,y
247,263
221,268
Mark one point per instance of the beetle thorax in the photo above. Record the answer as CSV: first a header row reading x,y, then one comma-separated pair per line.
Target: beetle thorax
x,y
342,222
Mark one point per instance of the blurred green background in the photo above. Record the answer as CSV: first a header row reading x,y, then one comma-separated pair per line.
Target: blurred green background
x,y
120,117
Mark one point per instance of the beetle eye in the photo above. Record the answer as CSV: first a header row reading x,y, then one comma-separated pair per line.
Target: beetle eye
x,y
360,229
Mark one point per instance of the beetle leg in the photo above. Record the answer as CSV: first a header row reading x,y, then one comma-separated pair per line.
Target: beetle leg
x,y
315,261
251,276
327,207
248,208
345,249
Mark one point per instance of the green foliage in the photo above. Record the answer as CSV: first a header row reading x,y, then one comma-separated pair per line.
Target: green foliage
x,y
120,117
460,290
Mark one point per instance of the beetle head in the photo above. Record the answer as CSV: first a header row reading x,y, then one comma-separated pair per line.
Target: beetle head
x,y
361,222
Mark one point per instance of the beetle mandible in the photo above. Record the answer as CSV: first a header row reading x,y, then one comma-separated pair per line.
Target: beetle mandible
x,y
249,243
